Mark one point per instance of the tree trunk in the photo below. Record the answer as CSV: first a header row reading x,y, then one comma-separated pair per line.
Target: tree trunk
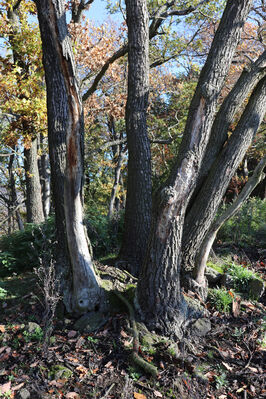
x,y
205,248
33,186
250,76
44,169
65,135
119,164
158,293
139,185
205,206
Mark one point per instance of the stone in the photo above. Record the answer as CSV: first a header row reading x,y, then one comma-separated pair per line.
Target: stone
x,y
256,288
201,327
32,327
90,322
24,393
213,276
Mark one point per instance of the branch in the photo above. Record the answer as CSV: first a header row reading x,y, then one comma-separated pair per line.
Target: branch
x,y
12,212
108,144
118,54
255,179
77,10
155,24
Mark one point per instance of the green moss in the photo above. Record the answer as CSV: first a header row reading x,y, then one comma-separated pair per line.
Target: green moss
x,y
216,267
58,371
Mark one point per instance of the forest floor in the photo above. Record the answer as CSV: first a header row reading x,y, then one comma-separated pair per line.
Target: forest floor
x,y
227,363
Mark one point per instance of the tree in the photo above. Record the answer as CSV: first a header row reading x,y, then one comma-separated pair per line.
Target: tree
x,y
23,94
139,185
159,296
65,134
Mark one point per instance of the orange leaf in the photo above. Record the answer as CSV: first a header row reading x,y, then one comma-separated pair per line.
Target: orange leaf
x,y
2,328
139,396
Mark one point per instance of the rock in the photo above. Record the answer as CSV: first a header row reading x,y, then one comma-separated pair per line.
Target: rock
x,y
173,350
90,322
227,281
24,393
32,327
194,309
59,371
212,275
256,288
201,327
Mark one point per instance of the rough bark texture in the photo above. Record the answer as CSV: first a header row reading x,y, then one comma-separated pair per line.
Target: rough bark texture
x,y
65,134
139,186
44,169
205,248
250,76
118,167
205,206
159,299
33,186
13,200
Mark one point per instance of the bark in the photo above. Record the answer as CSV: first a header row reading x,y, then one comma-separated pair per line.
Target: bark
x,y
206,204
139,185
65,136
158,293
119,164
250,76
13,200
33,186
203,255
44,168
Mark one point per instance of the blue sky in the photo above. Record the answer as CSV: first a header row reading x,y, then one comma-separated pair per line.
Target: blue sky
x,y
98,12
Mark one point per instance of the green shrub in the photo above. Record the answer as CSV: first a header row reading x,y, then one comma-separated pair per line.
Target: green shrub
x,y
105,235
21,250
220,299
3,293
248,226
241,277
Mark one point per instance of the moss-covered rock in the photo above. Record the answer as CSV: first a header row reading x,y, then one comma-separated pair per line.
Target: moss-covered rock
x,y
58,371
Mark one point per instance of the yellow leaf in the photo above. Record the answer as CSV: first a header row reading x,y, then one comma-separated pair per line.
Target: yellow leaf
x,y
139,396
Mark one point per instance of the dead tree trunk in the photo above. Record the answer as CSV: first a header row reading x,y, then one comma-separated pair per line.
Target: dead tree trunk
x,y
65,135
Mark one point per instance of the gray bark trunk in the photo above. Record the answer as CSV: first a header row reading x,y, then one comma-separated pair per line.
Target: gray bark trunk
x,y
250,76
206,204
139,185
44,168
118,167
205,248
33,186
65,135
158,292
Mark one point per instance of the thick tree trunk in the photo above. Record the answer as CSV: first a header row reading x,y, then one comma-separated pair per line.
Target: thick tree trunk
x,y
65,135
232,104
139,185
206,203
158,292
33,186
203,254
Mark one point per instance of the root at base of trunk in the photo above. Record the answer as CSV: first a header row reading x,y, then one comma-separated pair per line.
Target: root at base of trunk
x,y
139,361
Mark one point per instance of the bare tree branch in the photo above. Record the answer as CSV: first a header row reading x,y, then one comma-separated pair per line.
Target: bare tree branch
x,y
163,13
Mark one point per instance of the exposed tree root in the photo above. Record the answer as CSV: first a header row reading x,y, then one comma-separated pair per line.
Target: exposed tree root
x,y
139,361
